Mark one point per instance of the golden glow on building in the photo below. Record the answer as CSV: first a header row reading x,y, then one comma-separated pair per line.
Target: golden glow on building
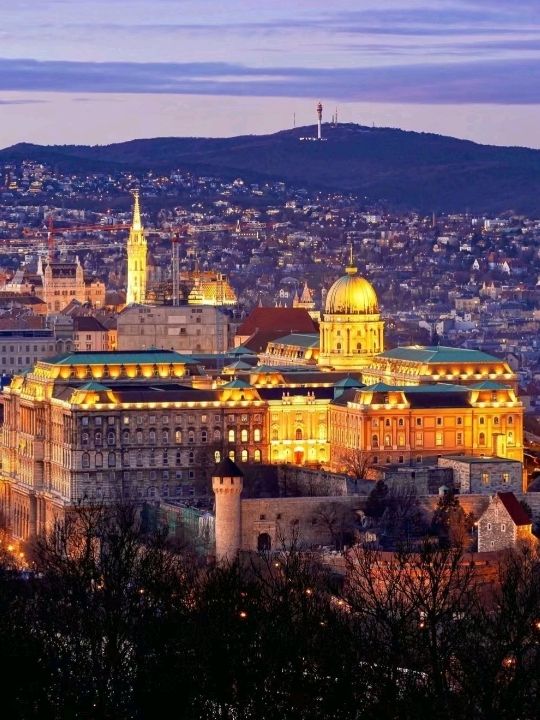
x,y
136,257
352,331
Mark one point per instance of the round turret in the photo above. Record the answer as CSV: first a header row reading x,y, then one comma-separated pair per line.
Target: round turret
x,y
227,484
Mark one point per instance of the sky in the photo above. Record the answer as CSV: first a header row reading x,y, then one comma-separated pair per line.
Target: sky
x,y
100,71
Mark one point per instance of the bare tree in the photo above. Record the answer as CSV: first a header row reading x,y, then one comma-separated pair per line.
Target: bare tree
x,y
356,463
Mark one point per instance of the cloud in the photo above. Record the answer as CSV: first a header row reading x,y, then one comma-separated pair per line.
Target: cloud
x,y
22,101
496,81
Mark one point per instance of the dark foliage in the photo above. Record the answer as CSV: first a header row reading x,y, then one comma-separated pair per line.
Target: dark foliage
x,y
116,625
406,169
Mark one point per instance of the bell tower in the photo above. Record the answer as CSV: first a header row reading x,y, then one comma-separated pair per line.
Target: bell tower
x,y
136,257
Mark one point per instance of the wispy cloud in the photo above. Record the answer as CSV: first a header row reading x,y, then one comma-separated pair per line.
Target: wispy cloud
x,y
496,81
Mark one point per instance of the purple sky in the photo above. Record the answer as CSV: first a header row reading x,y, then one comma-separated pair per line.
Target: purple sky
x,y
98,71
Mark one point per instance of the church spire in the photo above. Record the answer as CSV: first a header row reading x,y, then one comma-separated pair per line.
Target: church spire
x,y
136,257
136,223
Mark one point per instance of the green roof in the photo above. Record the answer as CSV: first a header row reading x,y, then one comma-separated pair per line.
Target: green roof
x,y
241,350
236,384
120,357
239,365
438,354
348,382
407,389
489,385
305,340
94,387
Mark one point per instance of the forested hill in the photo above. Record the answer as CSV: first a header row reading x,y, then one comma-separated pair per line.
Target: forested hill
x,y
407,170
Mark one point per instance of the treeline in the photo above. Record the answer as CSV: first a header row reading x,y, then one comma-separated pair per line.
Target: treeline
x,y
116,624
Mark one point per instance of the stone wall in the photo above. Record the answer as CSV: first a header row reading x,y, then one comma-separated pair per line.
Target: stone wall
x,y
485,477
308,521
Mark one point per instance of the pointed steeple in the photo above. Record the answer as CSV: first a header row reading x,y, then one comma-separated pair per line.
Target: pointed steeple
x,y
136,222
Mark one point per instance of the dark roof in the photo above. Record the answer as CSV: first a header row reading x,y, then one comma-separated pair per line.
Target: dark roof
x,y
280,320
514,508
227,468
83,323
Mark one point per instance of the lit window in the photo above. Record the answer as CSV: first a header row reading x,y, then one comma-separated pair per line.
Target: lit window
x,y
485,478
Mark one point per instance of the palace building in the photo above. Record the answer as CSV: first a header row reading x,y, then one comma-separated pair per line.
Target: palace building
x,y
150,425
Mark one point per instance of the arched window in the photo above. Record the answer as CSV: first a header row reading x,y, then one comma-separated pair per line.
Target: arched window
x,y
111,437
338,347
244,456
191,437
257,434
482,439
359,346
152,436
99,459
178,457
232,455
191,457
231,435
139,436
257,456
85,460
510,437
111,460
85,438
165,436
125,459
125,437
298,435
204,435
375,441
243,435
178,436
387,441
139,459
495,420
217,434
217,456
152,459
98,438
510,420
275,433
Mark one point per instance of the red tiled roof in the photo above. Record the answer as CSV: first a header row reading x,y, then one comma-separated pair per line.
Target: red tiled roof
x,y
514,508
283,320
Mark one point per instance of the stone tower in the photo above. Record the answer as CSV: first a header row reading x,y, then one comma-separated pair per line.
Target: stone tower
x,y
227,483
136,258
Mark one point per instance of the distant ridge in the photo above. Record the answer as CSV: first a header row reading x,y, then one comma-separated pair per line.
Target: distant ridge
x,y
406,170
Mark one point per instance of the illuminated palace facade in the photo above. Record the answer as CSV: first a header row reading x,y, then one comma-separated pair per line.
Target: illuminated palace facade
x,y
149,425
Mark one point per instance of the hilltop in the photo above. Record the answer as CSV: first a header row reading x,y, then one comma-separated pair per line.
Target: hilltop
x,y
406,170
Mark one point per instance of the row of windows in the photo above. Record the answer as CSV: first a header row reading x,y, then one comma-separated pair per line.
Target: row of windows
x,y
165,436
165,419
127,460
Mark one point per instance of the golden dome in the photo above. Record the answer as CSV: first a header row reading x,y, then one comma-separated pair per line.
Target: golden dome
x,y
351,295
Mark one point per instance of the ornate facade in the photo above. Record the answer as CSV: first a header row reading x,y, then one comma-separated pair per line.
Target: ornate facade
x,y
136,258
351,331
